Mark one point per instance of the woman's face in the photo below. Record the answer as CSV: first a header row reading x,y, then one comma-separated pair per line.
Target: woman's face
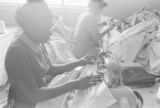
x,y
40,32
36,21
45,32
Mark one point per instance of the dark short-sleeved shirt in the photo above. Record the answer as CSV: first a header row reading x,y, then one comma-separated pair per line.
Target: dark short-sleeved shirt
x,y
20,62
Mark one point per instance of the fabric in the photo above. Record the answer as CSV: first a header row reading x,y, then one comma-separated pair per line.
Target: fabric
x,y
115,36
158,93
127,50
23,63
99,96
154,58
62,30
138,77
3,76
58,101
126,47
141,27
62,51
130,50
156,48
96,97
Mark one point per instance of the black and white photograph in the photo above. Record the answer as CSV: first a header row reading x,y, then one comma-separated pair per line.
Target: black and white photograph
x,y
79,53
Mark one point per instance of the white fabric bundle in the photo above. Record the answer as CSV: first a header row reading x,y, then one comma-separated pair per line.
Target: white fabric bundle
x,y
154,58
96,97
126,47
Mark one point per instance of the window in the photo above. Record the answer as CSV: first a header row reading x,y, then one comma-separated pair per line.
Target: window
x,y
54,2
76,2
12,1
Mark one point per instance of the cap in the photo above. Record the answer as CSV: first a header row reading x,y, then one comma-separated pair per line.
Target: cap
x,y
104,4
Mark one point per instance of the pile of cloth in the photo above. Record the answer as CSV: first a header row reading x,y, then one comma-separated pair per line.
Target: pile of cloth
x,y
140,42
143,15
99,96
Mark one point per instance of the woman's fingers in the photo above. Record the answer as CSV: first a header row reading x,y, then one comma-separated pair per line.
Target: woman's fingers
x,y
96,79
88,81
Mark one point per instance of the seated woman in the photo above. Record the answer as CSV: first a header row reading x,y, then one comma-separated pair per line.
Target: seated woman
x,y
27,63
87,35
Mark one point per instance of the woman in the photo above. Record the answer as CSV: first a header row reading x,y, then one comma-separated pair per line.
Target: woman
x,y
87,35
27,63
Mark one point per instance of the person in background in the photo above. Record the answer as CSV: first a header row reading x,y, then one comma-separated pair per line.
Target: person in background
x,y
27,62
87,35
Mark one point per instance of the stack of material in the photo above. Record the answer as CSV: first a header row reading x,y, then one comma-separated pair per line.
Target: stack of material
x,y
129,37
96,97
140,42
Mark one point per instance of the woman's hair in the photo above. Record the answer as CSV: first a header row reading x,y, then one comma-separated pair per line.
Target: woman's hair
x,y
33,15
91,2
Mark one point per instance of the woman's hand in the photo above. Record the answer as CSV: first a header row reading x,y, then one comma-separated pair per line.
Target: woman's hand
x,y
85,82
89,59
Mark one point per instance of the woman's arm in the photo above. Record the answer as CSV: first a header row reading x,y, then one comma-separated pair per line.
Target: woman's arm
x,y
35,94
19,69
58,69
55,70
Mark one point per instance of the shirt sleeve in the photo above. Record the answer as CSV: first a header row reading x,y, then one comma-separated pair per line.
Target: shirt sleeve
x,y
19,68
18,65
